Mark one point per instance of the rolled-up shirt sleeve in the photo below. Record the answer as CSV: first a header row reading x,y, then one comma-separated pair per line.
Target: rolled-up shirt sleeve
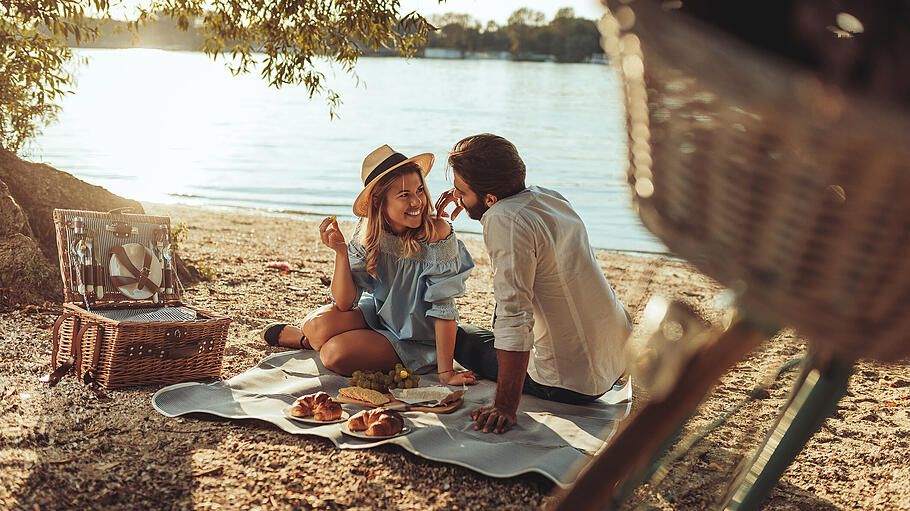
x,y
513,256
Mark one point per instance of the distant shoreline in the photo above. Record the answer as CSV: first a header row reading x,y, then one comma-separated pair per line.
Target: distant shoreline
x,y
434,54
300,214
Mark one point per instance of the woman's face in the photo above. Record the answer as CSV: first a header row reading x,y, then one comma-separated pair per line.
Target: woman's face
x,y
405,203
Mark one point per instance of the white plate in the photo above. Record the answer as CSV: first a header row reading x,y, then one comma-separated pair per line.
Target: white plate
x,y
310,420
136,254
363,434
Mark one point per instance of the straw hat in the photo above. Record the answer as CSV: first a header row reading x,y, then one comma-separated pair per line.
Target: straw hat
x,y
379,163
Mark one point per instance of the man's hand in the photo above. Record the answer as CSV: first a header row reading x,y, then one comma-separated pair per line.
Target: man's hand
x,y
490,418
445,198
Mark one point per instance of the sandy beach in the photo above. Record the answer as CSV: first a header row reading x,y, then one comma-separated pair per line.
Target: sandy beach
x,y
62,447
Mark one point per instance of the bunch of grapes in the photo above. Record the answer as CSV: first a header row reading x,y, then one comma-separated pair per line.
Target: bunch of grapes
x,y
399,378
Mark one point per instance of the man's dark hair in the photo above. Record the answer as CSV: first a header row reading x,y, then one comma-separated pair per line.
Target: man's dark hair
x,y
489,164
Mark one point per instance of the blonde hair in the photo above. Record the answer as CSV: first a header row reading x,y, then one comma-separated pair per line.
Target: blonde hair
x,y
372,226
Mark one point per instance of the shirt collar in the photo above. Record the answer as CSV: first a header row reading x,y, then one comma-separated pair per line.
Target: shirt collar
x,y
501,201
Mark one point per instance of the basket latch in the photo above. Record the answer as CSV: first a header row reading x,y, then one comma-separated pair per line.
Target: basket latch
x,y
177,333
121,229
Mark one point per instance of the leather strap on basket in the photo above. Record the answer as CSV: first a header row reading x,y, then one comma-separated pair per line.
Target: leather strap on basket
x,y
55,336
142,277
186,351
90,377
75,349
77,345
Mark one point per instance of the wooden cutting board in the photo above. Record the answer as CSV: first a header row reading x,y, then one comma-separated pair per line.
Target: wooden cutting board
x,y
446,408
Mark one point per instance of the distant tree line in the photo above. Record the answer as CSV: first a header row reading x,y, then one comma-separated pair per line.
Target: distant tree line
x,y
526,35
565,37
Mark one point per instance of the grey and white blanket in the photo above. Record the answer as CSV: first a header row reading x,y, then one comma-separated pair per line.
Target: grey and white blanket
x,y
552,439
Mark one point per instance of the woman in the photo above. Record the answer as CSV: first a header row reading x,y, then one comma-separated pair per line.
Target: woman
x,y
394,284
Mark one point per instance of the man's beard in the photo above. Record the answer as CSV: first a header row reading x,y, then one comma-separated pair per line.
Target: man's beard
x,y
476,212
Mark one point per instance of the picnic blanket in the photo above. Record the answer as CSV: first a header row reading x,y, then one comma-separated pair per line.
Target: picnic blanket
x,y
552,439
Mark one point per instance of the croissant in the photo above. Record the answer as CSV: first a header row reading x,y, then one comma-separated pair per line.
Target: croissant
x,y
301,409
320,405
328,411
377,422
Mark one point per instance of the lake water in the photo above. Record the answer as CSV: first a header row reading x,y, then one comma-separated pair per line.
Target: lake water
x,y
177,127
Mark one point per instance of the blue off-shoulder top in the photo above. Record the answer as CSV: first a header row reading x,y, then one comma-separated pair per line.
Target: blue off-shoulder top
x,y
410,293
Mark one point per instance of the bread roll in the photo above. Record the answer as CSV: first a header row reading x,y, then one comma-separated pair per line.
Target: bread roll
x,y
377,422
328,411
320,405
301,409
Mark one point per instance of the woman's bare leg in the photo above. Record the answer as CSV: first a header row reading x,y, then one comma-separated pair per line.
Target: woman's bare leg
x,y
321,325
358,350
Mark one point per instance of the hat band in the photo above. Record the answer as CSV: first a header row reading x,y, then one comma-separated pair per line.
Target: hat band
x,y
386,164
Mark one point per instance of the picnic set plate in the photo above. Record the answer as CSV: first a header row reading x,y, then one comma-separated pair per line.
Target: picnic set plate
x,y
310,420
362,434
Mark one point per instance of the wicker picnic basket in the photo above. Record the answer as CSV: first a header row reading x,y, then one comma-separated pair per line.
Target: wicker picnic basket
x,y
128,325
768,178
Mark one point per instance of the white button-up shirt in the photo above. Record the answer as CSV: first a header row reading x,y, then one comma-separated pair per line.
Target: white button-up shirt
x,y
552,298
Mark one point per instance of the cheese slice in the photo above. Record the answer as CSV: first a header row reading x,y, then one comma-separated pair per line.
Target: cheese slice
x,y
418,394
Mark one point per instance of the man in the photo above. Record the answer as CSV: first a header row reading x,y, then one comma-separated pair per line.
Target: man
x,y
560,332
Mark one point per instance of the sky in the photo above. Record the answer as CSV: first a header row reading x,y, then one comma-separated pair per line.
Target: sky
x,y
499,10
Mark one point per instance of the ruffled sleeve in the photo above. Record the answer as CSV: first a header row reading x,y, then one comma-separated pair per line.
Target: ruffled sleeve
x,y
446,280
363,281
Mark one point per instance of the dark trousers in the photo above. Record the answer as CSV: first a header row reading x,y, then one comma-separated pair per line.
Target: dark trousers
x,y
474,350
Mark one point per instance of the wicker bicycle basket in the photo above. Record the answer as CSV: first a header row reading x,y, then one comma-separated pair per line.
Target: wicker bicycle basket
x,y
114,340
767,180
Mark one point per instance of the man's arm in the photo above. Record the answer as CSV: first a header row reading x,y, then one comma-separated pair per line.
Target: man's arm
x,y
499,418
512,251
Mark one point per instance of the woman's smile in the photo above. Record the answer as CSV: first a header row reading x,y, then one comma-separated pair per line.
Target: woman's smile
x,y
405,204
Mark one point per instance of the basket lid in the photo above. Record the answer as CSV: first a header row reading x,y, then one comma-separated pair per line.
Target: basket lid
x,y
116,257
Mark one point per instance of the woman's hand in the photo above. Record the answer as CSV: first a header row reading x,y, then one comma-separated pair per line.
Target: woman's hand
x,y
457,378
445,198
331,235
